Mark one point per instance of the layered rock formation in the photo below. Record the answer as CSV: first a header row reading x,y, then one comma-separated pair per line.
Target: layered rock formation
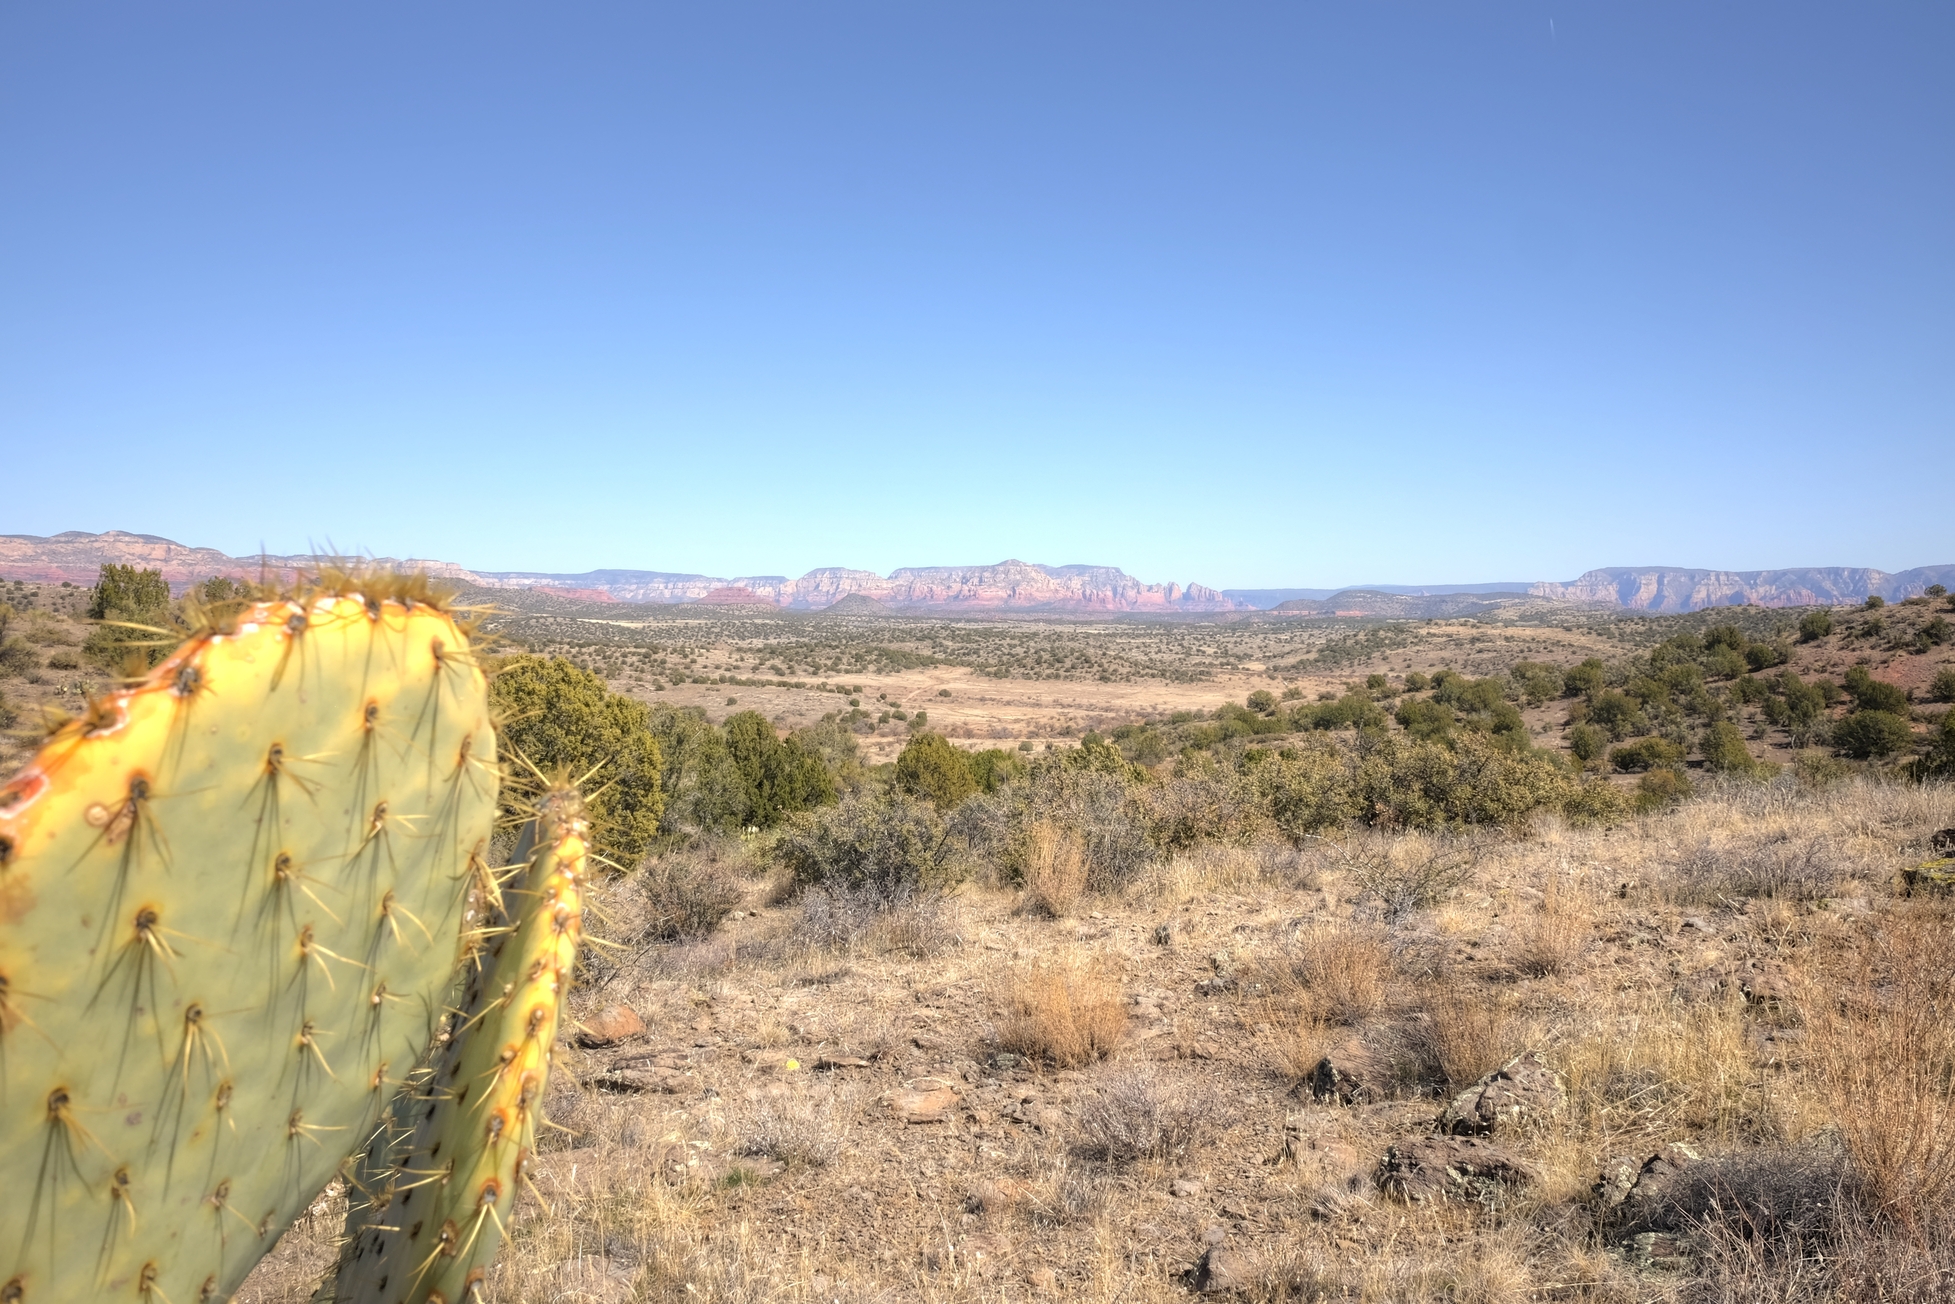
x,y
78,558
1006,586
1665,588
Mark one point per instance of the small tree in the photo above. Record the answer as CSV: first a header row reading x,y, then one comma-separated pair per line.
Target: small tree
x,y
1586,742
1870,694
561,716
1815,625
1870,735
122,597
1875,602
929,767
1725,751
1943,687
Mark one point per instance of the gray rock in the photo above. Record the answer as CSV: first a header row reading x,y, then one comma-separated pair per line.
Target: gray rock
x,y
1452,1168
1523,1091
1332,1083
1223,1270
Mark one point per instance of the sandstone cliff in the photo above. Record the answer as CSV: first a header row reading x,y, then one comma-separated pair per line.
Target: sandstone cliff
x,y
1006,586
1663,588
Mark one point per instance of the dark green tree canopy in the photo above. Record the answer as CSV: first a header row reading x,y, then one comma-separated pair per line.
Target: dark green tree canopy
x,y
931,768
562,717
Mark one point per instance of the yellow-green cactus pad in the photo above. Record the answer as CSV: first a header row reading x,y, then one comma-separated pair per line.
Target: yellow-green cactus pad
x,y
232,901
435,1189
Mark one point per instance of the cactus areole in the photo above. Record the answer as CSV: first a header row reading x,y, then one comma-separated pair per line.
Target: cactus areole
x,y
235,909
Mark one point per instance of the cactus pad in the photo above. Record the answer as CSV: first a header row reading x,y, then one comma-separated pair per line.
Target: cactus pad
x,y
441,1176
232,901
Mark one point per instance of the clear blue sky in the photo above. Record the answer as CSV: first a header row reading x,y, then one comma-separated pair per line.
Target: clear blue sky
x,y
1254,294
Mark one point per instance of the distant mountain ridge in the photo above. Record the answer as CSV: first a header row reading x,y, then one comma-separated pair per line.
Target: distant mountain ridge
x,y
1005,586
77,557
1669,589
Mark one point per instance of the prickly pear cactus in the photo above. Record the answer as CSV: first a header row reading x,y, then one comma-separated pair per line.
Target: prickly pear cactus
x,y
232,903
442,1173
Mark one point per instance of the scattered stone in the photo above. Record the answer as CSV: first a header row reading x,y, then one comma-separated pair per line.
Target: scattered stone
x,y
1004,1061
1185,1188
986,1253
1334,1085
1660,1252
924,1100
1223,1270
609,1026
1524,1090
1617,1180
1452,1168
828,1063
648,1080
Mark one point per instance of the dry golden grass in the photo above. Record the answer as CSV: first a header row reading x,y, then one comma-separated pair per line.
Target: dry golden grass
x,y
1554,939
1645,1020
1341,968
1470,1029
1066,1011
1883,1049
1055,869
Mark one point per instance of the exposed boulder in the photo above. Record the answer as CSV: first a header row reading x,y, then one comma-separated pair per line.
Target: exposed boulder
x,y
1452,1168
1524,1090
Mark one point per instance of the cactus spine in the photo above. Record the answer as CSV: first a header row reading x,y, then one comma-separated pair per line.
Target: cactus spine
x,y
232,903
441,1175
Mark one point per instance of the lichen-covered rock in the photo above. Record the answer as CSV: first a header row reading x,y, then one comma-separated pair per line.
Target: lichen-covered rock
x,y
1452,1168
1525,1090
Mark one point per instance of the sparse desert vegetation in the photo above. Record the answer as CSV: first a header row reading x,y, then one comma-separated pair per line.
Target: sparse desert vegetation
x,y
1386,986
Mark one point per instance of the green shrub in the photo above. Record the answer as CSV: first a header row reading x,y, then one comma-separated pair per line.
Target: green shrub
x,y
1660,788
891,846
1354,710
1939,760
1725,636
1586,679
1763,656
8,713
1647,754
1586,742
1425,719
1725,751
126,596
1725,663
929,767
1593,801
1617,713
1942,689
1416,681
1307,788
562,718
1748,691
1536,682
1262,702
16,657
781,776
1936,631
1936,591
1875,602
1870,694
993,767
1869,735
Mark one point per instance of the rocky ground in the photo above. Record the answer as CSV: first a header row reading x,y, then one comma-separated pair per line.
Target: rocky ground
x,y
1575,1064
